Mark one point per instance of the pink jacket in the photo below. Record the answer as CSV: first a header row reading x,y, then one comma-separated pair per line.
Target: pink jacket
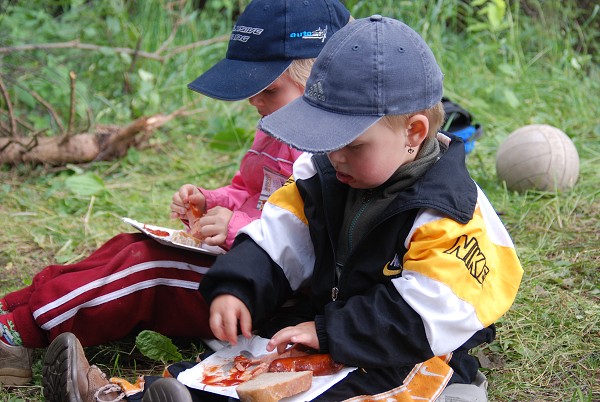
x,y
264,168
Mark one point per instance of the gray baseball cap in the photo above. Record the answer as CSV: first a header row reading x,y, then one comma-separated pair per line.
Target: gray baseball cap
x,y
370,68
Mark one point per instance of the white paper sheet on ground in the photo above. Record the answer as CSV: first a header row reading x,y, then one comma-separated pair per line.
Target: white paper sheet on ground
x,y
167,241
257,346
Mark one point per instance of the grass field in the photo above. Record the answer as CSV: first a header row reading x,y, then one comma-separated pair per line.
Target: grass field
x,y
533,62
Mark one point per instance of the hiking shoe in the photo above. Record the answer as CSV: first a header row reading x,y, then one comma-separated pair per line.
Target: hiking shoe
x,y
68,377
474,392
167,390
15,364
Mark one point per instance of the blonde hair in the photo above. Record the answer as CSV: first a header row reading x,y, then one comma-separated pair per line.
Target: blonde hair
x,y
299,70
434,114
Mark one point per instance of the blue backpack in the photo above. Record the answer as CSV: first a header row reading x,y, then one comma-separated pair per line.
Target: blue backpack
x,y
460,123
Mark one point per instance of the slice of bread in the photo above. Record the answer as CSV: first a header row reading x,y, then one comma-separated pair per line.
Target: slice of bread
x,y
271,387
182,237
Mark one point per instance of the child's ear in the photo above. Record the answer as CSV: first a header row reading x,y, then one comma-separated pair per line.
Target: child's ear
x,y
417,129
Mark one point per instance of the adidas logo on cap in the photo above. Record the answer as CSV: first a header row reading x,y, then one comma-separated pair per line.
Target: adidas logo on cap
x,y
315,91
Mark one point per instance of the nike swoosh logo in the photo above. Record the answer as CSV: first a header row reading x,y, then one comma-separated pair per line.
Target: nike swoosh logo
x,y
391,272
428,373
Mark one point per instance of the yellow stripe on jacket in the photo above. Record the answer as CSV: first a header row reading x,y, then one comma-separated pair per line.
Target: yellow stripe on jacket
x,y
282,232
463,283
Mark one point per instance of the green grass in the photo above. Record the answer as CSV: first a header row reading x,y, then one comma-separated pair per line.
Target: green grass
x,y
539,65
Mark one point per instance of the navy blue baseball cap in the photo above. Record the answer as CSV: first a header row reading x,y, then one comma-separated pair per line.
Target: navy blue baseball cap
x,y
266,38
372,67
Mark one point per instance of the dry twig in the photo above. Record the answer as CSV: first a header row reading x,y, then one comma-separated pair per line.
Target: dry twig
x,y
50,110
11,115
72,77
76,44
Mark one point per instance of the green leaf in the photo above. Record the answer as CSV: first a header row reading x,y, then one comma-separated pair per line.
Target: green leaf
x,y
495,12
145,75
133,156
157,347
227,139
511,98
85,185
477,3
25,97
477,27
507,69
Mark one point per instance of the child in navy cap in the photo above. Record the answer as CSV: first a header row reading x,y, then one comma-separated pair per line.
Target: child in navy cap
x,y
405,262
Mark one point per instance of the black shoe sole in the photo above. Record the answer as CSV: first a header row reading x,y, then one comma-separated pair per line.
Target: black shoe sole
x,y
167,390
57,376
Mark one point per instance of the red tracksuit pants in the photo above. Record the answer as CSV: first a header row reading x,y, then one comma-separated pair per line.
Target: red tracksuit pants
x,y
129,284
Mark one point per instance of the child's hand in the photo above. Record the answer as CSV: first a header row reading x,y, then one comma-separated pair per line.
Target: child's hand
x,y
304,333
214,226
187,195
226,311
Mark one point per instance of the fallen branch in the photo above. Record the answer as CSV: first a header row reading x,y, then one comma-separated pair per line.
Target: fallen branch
x,y
18,121
117,143
106,143
194,45
76,44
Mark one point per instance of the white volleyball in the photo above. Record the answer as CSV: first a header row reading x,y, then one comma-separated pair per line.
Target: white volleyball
x,y
538,157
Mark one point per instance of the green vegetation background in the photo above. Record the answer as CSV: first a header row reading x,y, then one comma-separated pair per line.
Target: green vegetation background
x,y
511,63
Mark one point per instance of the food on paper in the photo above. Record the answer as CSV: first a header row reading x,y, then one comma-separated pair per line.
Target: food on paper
x,y
174,238
272,387
186,239
225,367
157,232
317,363
244,366
241,368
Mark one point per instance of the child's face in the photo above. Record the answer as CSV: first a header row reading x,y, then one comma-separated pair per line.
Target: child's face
x,y
281,92
372,158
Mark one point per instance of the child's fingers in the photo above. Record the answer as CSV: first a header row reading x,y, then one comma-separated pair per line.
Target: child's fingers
x,y
217,240
198,201
245,322
216,326
178,209
226,312
304,333
224,327
183,193
230,328
304,338
281,340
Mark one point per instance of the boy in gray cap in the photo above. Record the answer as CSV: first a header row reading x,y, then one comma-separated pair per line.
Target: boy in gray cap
x,y
405,262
